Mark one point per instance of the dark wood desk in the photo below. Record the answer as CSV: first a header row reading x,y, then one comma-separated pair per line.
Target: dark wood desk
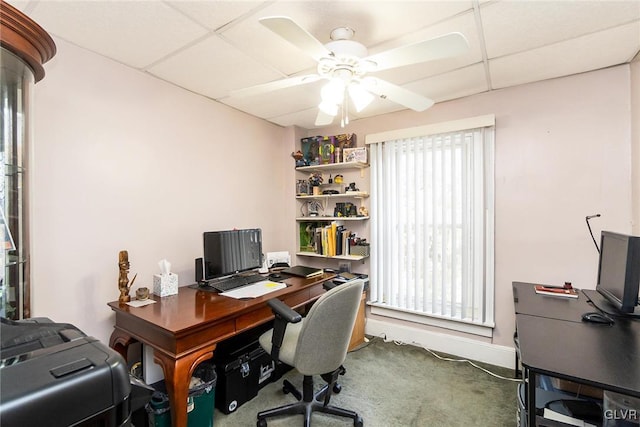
x,y
554,341
184,329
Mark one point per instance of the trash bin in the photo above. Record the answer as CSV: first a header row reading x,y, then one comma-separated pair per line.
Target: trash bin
x,y
202,396
199,403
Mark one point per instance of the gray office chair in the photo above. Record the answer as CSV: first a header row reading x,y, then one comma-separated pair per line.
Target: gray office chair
x,y
315,345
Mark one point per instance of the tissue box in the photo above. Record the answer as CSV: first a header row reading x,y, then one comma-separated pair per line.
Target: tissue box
x,y
165,284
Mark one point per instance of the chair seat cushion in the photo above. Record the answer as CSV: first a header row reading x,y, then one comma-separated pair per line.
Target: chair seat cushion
x,y
289,343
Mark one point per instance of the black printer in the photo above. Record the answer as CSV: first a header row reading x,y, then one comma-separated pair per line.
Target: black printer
x,y
53,373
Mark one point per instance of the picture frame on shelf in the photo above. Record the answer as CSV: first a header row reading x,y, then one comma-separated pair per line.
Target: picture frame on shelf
x,y
358,154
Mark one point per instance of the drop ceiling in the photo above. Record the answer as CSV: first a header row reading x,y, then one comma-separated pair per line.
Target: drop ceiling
x,y
215,47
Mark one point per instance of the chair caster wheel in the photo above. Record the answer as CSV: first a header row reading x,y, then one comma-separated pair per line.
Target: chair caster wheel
x,y
337,388
358,422
263,423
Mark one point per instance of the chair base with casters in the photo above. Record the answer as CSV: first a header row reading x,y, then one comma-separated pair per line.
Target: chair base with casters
x,y
320,340
308,402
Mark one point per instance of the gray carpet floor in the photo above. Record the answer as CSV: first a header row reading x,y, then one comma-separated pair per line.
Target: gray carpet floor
x,y
398,385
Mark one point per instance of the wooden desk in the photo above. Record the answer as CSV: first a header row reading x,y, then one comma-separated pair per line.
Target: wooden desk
x,y
184,329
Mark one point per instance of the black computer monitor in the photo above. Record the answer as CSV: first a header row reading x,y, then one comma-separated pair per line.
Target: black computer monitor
x,y
230,252
619,270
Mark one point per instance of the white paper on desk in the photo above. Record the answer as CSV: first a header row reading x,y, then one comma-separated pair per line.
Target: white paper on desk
x,y
141,302
255,290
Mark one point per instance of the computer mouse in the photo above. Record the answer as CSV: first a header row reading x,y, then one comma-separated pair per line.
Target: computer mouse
x,y
274,276
595,317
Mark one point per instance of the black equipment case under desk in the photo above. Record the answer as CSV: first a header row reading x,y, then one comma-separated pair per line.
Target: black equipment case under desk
x,y
53,374
243,368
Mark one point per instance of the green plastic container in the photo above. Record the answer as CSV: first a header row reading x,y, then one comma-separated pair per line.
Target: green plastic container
x,y
200,402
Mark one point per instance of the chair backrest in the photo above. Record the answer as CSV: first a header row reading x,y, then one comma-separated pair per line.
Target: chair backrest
x,y
326,331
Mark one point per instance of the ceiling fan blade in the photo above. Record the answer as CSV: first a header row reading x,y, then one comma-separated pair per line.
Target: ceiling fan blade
x,y
397,94
275,85
445,46
323,119
286,28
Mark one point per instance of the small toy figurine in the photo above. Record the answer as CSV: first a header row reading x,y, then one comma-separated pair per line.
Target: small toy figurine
x,y
351,187
363,211
299,158
123,280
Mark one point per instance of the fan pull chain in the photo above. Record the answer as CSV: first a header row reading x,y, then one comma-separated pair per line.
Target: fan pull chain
x,y
344,110
346,114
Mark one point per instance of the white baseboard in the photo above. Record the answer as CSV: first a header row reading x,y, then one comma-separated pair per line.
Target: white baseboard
x,y
465,348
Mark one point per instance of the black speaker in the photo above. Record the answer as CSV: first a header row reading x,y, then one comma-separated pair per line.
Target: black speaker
x,y
199,270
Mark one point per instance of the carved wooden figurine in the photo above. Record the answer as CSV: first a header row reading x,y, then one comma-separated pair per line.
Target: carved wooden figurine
x,y
123,278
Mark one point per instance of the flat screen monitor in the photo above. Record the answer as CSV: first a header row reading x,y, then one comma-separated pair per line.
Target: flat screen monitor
x,y
230,252
619,270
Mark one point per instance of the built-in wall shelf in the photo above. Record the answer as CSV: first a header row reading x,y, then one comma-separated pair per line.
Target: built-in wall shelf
x,y
343,257
330,226
331,218
348,194
333,167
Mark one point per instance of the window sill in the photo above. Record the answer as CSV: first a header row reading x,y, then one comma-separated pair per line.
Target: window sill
x,y
485,330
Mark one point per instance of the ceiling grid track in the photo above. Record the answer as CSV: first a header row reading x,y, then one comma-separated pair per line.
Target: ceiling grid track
x,y
483,46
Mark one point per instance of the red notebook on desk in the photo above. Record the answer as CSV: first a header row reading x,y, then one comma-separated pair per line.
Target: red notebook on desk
x,y
556,292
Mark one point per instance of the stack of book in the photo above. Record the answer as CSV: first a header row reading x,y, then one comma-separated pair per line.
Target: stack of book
x,y
327,240
333,240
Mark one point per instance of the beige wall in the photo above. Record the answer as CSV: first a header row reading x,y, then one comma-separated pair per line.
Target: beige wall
x,y
635,143
122,160
562,152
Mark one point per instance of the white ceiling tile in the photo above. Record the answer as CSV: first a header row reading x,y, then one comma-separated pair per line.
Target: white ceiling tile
x,y
215,46
305,119
135,33
212,68
25,6
464,24
281,102
614,46
215,14
270,49
456,84
516,26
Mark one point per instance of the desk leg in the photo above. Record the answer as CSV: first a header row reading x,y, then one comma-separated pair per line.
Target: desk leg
x,y
531,397
177,375
120,341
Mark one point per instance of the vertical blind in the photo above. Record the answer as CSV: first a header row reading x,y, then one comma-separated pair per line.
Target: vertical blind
x,y
432,225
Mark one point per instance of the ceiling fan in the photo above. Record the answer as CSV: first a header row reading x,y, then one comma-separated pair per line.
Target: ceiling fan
x,y
345,64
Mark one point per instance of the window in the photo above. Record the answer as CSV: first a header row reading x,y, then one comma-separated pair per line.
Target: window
x,y
432,224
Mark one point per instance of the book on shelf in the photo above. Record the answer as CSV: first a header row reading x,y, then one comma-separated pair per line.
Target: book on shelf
x,y
328,240
556,291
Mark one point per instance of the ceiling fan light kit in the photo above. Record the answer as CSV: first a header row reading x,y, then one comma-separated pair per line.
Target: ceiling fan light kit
x,y
345,63
359,95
